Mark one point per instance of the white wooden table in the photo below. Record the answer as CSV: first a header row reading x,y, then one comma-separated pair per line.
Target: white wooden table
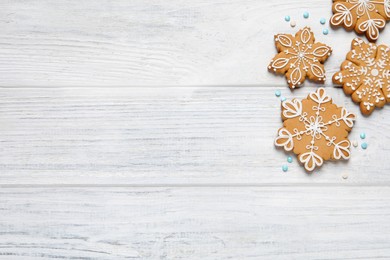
x,y
144,129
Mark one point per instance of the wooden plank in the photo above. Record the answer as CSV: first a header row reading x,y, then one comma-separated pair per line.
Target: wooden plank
x,y
180,42
175,135
195,223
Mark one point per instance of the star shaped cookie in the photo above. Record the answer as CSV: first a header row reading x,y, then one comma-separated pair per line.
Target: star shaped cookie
x,y
300,57
315,129
365,75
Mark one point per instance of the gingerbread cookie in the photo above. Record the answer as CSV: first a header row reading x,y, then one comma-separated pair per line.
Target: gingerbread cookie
x,y
315,129
299,56
365,75
365,16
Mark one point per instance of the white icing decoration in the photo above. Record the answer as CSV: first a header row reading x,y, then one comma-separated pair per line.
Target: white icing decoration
x,y
284,40
311,160
342,16
316,128
292,108
341,150
280,63
284,139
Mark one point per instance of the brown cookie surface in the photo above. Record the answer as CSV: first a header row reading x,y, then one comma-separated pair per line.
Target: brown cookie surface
x,y
300,57
365,75
364,16
315,129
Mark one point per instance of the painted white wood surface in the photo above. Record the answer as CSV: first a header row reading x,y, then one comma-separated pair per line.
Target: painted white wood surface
x,y
144,129
172,135
195,223
155,42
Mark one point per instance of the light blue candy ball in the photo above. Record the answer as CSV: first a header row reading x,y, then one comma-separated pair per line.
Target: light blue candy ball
x,y
287,18
362,135
282,99
278,93
364,145
285,168
322,21
289,159
325,31
306,14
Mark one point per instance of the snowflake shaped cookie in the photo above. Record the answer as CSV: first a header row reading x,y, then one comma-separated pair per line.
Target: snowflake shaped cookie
x,y
299,56
365,16
315,129
365,75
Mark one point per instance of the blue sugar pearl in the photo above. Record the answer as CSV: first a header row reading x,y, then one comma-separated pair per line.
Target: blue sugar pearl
x,y
287,18
278,93
364,146
325,31
282,99
306,14
289,159
322,21
362,135
285,168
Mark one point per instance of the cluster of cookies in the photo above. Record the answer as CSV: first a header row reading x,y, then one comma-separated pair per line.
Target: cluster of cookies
x,y
314,128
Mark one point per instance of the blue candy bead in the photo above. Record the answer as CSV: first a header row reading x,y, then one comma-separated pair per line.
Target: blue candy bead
x,y
287,18
362,135
322,21
325,31
364,145
306,14
285,168
282,99
278,93
289,159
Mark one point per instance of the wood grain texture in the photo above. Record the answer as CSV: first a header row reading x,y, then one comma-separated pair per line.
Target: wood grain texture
x,y
158,42
155,136
195,223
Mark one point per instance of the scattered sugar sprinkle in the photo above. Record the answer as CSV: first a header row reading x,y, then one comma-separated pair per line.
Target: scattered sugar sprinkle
x,y
287,18
364,146
289,159
355,143
362,135
293,24
325,31
306,15
323,21
345,176
278,93
285,168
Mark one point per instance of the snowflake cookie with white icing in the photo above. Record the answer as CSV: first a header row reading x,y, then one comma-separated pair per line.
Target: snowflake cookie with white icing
x,y
315,129
365,75
365,16
299,56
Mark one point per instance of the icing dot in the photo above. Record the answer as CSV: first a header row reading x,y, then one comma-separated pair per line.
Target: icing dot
x,y
289,159
325,31
285,168
282,99
362,135
287,18
293,23
364,146
278,93
322,21
355,143
374,72
306,14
